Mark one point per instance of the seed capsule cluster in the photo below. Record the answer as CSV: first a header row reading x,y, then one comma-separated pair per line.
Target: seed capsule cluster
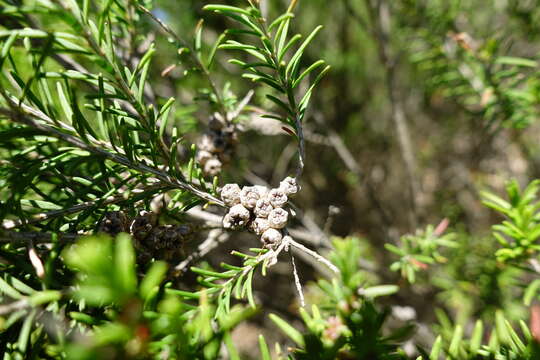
x,y
259,209
216,147
152,241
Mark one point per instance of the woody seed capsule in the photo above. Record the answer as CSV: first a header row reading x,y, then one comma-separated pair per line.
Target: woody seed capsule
x,y
277,198
203,156
230,194
271,237
278,218
263,208
289,186
249,196
237,217
259,226
212,167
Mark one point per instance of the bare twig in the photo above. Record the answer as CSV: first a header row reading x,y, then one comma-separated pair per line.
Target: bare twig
x,y
22,238
214,239
379,12
301,148
297,281
35,260
350,162
14,306
183,43
241,105
314,255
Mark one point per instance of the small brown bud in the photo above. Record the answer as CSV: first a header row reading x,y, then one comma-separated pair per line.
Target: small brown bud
x,y
142,225
113,223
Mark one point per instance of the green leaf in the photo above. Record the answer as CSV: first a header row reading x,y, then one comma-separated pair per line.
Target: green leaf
x,y
264,79
531,291
153,278
476,337
226,9
283,51
380,290
507,60
218,275
263,347
82,317
6,289
24,335
436,349
281,35
164,116
231,349
305,100
291,332
495,202
198,39
124,267
280,103
40,204
453,350
248,289
44,297
64,103
314,66
298,54
500,326
280,20
213,51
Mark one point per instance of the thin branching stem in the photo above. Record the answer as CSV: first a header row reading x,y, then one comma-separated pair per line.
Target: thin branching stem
x,y
23,116
198,62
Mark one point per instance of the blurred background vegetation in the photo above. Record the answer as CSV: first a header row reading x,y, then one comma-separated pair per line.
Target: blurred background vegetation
x,y
428,105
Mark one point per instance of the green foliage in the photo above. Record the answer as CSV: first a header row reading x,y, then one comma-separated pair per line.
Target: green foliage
x,y
347,323
274,66
419,251
519,232
140,320
106,112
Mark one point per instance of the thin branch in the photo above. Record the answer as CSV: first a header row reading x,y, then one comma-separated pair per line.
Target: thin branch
x,y
182,43
241,105
22,115
350,162
14,306
22,238
380,32
301,148
310,237
297,282
35,260
314,255
11,224
215,238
